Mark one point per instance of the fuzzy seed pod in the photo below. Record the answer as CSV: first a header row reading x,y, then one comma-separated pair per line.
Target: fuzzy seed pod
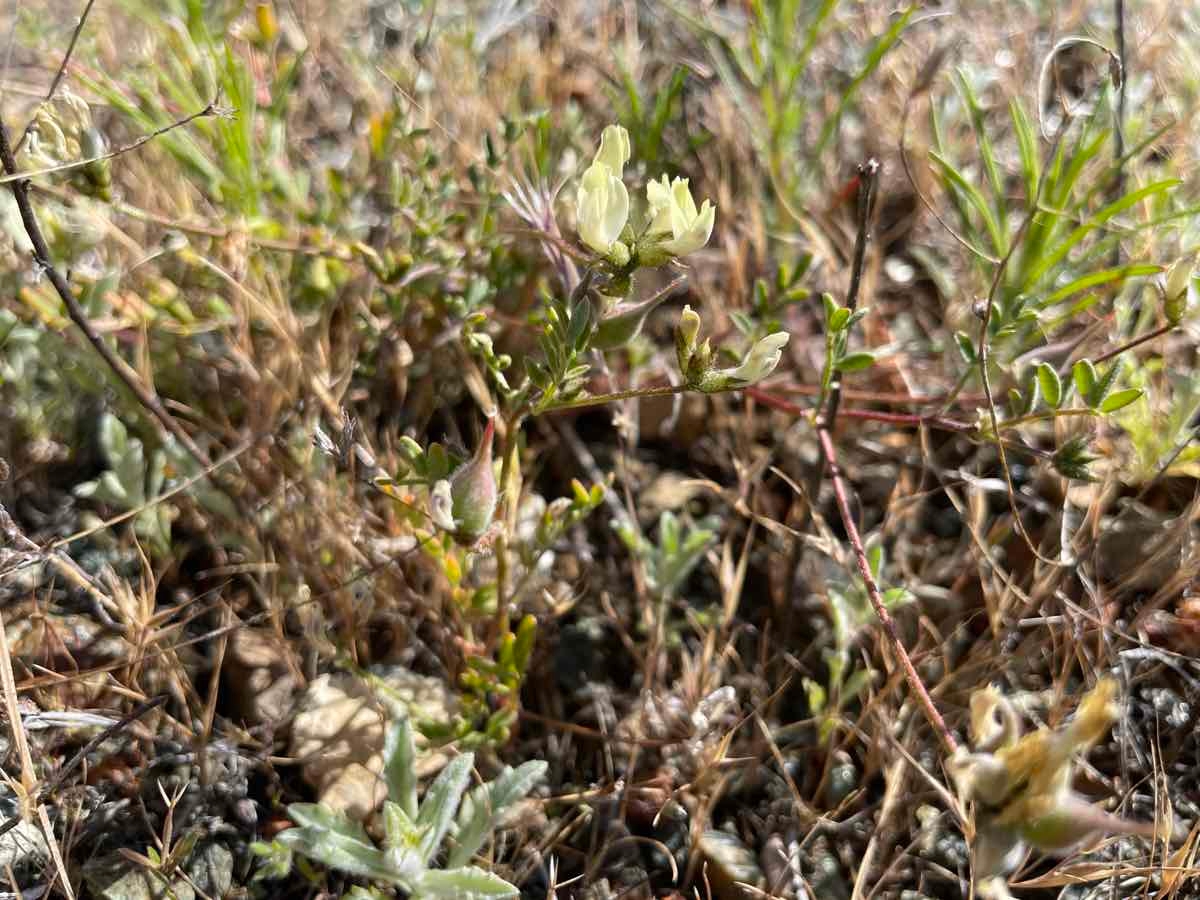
x,y
473,492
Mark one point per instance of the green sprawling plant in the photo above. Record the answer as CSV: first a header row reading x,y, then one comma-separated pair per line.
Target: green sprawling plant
x,y
411,857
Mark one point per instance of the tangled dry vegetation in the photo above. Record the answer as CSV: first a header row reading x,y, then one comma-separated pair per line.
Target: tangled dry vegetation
x,y
388,508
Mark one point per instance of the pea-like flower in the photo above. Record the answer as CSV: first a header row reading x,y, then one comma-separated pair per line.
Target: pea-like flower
x,y
677,227
695,358
602,201
1021,784
762,359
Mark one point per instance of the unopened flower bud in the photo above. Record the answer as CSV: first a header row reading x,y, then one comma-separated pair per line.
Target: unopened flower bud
x,y
686,333
473,491
618,255
1178,281
410,449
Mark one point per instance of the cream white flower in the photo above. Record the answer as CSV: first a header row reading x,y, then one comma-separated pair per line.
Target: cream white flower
x,y
602,201
762,359
673,212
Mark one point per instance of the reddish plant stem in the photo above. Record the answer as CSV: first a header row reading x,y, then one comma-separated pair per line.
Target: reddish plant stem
x,y
885,618
890,397
829,453
903,420
912,420
868,174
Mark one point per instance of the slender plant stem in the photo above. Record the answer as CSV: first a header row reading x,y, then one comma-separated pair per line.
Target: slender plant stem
x,y
868,175
829,453
13,174
1119,124
1134,342
1046,416
665,390
511,490
985,322
909,420
41,255
1118,183
892,398
881,611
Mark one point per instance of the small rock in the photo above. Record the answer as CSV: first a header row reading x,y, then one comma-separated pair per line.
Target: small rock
x,y
24,846
211,869
843,779
339,729
113,877
260,679
733,871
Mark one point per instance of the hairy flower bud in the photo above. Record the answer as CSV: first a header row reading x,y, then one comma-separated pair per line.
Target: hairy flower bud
x,y
466,503
473,488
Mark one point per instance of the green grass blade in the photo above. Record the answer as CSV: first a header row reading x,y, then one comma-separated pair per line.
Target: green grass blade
x,y
975,199
1100,218
1095,279
874,58
1031,165
986,150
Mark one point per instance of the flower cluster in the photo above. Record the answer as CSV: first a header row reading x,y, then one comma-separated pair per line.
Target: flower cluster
x,y
695,358
674,228
1021,784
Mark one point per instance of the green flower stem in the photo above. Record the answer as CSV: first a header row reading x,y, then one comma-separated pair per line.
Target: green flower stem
x,y
510,491
1045,416
665,390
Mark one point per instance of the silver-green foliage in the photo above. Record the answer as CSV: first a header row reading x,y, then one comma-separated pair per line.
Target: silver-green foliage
x,y
131,481
413,834
680,547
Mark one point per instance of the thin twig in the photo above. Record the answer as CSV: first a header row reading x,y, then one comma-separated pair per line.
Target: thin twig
x,y
868,175
881,611
8,687
41,255
58,76
665,390
14,175
1133,342
985,321
1119,124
